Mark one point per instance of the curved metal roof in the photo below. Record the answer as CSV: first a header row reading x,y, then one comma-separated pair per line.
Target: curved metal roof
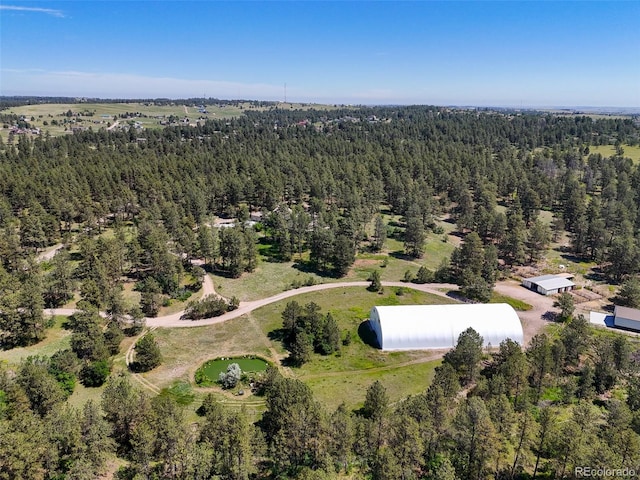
x,y
414,327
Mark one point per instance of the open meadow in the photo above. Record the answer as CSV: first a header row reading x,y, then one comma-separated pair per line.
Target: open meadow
x,y
59,119
632,152
341,377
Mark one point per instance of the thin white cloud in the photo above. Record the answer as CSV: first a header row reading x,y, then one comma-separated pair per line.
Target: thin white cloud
x,y
48,11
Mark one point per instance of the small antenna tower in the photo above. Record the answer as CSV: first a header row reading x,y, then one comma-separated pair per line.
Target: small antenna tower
x,y
285,92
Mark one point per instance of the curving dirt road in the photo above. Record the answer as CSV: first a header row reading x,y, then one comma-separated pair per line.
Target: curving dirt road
x,y
532,320
173,321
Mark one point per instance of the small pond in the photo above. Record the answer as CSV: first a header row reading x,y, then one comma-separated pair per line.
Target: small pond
x,y
212,368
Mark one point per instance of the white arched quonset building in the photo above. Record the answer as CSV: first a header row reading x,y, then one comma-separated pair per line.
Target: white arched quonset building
x,y
417,327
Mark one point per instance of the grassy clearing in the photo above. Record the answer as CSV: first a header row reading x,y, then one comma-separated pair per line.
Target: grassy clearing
x,y
351,388
546,217
334,379
267,279
573,264
57,339
185,349
271,277
398,263
346,375
514,302
632,152
181,392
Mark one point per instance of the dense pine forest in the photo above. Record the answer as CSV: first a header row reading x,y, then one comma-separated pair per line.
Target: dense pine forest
x,y
316,182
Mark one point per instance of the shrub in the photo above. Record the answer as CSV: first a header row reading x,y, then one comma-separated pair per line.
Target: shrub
x,y
209,306
234,303
408,276
424,275
96,373
231,377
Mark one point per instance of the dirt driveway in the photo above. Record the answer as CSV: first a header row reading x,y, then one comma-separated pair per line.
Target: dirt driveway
x,y
532,320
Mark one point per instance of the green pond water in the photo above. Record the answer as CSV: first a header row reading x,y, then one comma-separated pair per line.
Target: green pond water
x,y
213,368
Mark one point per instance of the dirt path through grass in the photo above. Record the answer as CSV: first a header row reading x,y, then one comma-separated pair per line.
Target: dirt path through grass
x,y
532,320
174,321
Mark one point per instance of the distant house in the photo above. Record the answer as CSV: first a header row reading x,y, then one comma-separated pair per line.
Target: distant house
x,y
626,317
549,284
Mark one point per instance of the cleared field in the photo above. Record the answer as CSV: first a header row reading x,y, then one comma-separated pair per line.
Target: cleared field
x,y
343,376
267,279
351,387
51,117
186,349
632,152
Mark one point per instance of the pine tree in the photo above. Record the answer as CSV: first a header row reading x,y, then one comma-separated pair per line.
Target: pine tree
x,y
376,284
629,294
538,240
147,354
466,355
414,237
380,234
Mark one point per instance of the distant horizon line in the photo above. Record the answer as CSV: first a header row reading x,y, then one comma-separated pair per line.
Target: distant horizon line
x,y
605,108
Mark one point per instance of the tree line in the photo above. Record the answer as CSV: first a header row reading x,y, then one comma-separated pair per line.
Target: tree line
x,y
510,414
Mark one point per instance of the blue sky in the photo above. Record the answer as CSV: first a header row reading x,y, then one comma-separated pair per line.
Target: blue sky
x,y
542,53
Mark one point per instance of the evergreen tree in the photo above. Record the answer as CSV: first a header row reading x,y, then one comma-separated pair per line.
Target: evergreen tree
x,y
376,284
328,339
512,247
380,234
539,356
538,241
322,247
466,355
148,354
566,305
414,237
475,437
231,250
629,294
59,284
344,255
41,388
301,348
